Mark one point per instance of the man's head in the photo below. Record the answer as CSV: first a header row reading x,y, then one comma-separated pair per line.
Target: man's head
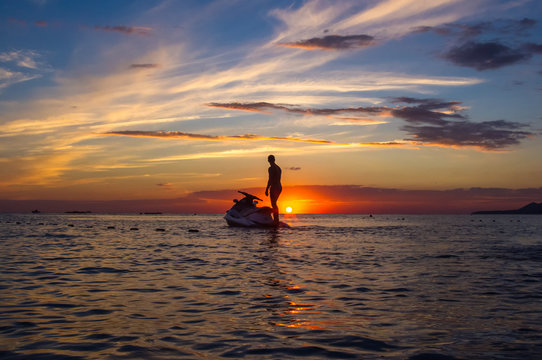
x,y
271,159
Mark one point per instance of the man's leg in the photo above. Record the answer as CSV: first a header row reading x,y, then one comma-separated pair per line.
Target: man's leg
x,y
274,197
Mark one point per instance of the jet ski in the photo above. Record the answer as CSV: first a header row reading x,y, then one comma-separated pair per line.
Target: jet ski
x,y
245,213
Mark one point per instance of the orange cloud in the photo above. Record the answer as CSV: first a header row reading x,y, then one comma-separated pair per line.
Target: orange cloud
x,y
183,135
248,137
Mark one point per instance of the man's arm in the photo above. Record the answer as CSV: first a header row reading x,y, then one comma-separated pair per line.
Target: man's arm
x,y
268,182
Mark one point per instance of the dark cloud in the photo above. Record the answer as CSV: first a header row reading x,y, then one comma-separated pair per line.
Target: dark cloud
x,y
439,122
487,135
143,66
485,56
262,106
333,42
533,48
506,27
426,110
129,30
485,45
165,186
294,168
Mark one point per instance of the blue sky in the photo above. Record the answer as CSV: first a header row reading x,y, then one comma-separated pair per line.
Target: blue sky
x,y
159,99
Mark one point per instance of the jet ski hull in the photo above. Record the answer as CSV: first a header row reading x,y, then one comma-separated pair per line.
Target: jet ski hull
x,y
245,213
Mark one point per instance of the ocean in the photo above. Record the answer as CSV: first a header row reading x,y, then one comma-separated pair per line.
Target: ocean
x,y
89,286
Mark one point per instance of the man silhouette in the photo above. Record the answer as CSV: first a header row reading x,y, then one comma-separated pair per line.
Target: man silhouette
x,y
274,187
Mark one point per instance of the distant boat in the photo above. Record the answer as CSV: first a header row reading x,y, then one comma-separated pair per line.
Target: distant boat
x,y
531,209
35,211
150,213
77,212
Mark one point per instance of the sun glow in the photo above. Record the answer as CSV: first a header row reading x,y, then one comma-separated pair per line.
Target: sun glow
x,y
289,210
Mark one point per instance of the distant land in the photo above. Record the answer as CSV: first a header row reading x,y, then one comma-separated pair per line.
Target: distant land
x,y
532,208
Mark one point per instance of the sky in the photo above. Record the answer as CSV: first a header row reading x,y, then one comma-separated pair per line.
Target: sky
x,y
384,106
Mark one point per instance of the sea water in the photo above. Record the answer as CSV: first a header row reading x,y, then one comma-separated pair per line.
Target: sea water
x,y
89,286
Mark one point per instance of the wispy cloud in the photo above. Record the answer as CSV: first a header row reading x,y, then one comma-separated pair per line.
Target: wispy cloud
x,y
8,78
190,136
17,66
252,137
29,59
389,18
333,42
128,30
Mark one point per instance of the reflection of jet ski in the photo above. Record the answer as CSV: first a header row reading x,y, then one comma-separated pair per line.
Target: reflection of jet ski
x,y
246,213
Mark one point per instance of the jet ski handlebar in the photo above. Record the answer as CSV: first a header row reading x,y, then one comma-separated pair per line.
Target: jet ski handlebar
x,y
250,196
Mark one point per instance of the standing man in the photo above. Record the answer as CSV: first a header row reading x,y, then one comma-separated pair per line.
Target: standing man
x,y
274,186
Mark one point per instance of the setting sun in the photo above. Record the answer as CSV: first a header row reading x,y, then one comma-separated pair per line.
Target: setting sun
x,y
289,210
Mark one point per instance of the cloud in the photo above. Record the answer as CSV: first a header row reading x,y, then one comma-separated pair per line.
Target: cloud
x,y
433,122
426,110
129,30
166,186
20,65
444,130
144,66
533,48
261,106
40,23
190,136
357,121
506,27
22,58
333,42
294,168
486,135
8,77
485,55
474,50
247,137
